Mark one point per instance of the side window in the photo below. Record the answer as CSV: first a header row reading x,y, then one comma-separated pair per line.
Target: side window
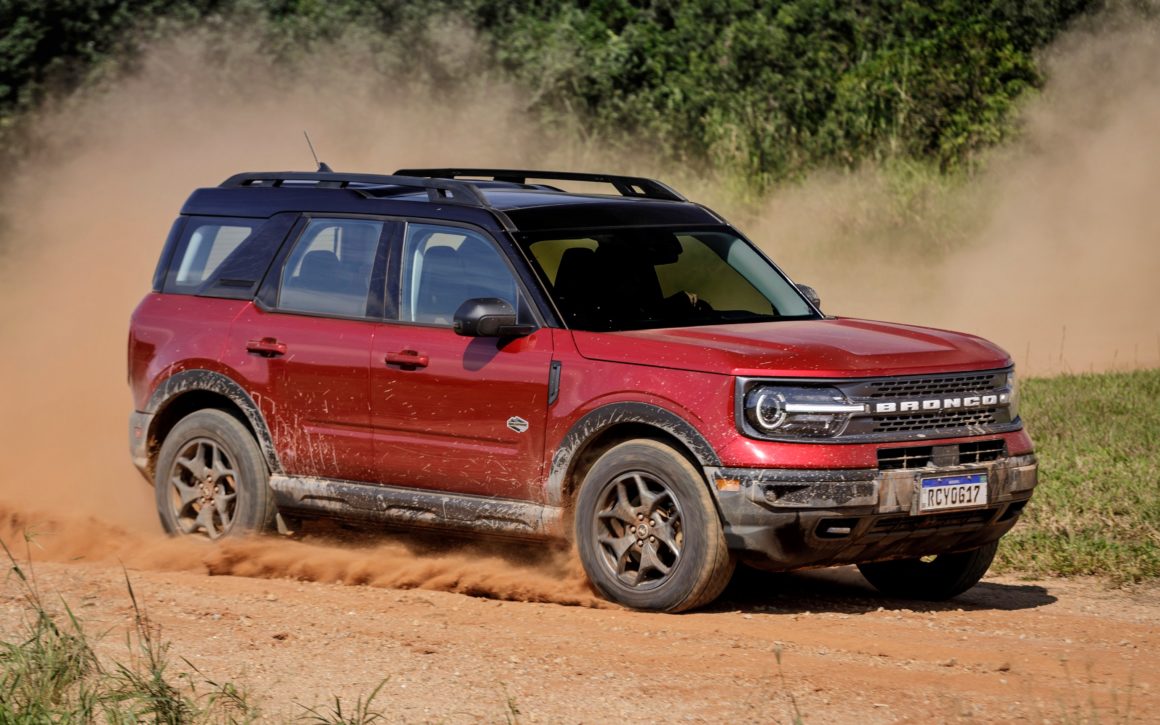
x,y
204,245
329,269
445,266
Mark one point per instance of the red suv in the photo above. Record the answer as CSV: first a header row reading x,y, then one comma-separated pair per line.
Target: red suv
x,y
479,350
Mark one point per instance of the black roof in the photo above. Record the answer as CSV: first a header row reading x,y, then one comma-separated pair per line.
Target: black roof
x,y
491,198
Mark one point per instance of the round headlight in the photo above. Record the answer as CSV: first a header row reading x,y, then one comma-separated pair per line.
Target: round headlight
x,y
769,408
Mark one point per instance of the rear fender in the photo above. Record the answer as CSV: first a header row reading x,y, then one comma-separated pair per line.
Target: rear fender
x,y
213,382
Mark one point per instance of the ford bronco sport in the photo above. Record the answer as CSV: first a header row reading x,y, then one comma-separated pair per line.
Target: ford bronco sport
x,y
480,350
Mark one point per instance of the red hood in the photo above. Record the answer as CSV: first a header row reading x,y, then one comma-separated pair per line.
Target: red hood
x,y
804,348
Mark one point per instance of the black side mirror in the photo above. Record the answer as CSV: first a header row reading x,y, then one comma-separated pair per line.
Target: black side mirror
x,y
810,294
489,317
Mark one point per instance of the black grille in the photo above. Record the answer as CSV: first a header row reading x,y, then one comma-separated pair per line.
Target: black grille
x,y
920,387
981,452
962,454
942,420
912,457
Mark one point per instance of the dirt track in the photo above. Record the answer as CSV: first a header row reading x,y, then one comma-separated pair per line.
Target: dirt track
x,y
1045,651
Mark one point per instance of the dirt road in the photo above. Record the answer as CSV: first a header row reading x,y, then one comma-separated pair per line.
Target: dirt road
x,y
1046,651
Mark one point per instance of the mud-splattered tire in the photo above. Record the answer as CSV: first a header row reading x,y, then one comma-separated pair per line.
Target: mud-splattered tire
x,y
943,577
211,479
647,530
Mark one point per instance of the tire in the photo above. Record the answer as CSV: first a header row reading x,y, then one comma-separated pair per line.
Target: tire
x,y
647,530
943,577
211,479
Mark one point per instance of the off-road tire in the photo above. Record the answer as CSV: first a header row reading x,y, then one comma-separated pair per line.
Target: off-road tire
x,y
943,577
213,454
631,487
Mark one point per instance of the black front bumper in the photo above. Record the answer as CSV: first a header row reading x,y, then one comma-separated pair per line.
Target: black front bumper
x,y
790,519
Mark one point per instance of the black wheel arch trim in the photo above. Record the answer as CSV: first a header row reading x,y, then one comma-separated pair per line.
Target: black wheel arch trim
x,y
214,382
601,419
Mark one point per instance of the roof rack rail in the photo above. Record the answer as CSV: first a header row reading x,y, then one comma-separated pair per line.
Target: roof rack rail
x,y
438,189
636,186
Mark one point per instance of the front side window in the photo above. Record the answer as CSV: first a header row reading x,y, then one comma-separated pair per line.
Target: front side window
x,y
329,270
445,266
633,279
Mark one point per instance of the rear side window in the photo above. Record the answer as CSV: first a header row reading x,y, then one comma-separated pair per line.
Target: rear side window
x,y
224,256
205,244
330,268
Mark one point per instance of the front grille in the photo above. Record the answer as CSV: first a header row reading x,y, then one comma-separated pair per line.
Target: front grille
x,y
981,451
921,387
961,454
912,457
910,408
934,422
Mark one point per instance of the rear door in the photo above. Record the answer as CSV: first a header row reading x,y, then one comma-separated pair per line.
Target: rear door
x,y
450,412
304,347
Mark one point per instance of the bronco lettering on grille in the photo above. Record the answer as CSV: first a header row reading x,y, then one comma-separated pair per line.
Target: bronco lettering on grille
x,y
970,401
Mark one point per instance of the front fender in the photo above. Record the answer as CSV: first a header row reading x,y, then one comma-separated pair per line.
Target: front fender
x,y
601,419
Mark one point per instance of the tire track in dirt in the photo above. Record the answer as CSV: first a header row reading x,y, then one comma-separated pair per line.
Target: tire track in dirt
x,y
1008,650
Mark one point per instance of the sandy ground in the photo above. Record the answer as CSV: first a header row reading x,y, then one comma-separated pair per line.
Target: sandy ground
x,y
1043,651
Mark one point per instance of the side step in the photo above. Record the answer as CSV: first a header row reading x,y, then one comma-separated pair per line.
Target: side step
x,y
416,507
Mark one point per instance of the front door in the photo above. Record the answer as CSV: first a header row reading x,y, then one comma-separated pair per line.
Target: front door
x,y
450,412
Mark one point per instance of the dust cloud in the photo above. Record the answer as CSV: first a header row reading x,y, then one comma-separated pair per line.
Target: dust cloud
x,y
85,218
1051,252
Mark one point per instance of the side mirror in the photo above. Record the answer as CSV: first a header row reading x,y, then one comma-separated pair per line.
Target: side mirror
x,y
810,294
489,317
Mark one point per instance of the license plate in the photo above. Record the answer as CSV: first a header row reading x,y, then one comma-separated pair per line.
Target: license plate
x,y
953,492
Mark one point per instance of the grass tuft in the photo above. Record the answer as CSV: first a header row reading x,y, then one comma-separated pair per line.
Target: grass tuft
x,y
51,673
362,713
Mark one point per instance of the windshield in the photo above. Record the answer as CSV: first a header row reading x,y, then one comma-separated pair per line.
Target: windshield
x,y
634,279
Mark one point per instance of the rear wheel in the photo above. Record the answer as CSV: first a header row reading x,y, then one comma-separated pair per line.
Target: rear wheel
x,y
211,478
648,533
932,578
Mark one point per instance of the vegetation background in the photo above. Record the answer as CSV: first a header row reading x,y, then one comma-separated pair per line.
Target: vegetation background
x,y
757,90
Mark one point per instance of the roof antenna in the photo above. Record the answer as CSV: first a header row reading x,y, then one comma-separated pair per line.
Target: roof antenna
x,y
321,166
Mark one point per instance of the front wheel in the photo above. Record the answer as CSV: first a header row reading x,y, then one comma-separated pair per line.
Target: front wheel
x,y
933,578
211,478
648,534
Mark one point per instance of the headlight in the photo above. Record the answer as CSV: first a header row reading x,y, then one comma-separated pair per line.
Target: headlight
x,y
798,412
1013,387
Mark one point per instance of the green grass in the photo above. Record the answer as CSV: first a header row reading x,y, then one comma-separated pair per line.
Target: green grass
x,y
1097,508
50,673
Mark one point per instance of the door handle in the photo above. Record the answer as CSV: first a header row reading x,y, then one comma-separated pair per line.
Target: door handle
x,y
407,359
266,347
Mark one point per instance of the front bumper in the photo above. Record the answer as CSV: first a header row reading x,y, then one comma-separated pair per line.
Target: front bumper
x,y
789,519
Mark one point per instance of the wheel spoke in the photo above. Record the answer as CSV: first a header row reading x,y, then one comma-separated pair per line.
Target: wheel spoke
x,y
619,546
205,520
620,511
221,468
649,561
193,464
666,533
189,492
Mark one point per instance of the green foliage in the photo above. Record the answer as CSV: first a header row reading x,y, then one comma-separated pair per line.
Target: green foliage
x,y
760,89
1097,508
51,673
772,89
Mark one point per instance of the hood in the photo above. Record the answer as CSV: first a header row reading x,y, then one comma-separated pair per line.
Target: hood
x,y
834,348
